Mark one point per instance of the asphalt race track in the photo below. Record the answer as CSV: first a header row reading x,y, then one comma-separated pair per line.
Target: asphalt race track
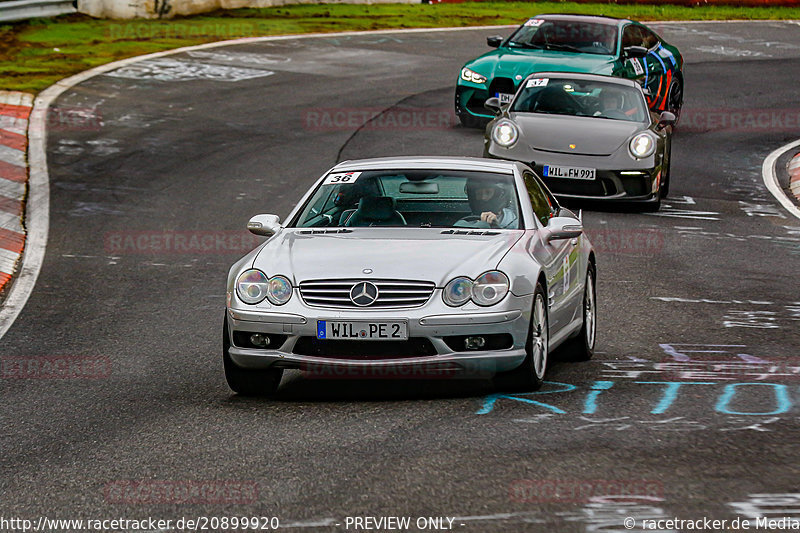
x,y
690,409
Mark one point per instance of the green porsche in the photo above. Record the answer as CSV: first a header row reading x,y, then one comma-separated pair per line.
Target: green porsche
x,y
571,43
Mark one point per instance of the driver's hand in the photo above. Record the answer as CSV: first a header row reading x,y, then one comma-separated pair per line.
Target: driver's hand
x,y
489,217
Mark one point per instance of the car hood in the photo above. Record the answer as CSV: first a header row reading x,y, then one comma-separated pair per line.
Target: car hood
x,y
590,136
510,63
424,254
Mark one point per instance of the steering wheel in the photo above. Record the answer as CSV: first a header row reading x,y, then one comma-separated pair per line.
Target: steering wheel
x,y
477,218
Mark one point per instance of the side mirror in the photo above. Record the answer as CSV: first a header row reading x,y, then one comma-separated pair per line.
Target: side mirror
x,y
666,119
265,225
494,41
563,228
493,105
632,52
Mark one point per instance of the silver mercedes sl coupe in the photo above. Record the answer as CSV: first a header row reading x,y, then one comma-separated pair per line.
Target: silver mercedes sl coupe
x,y
412,267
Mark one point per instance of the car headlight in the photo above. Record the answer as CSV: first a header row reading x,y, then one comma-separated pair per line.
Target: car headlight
x,y
280,290
490,288
457,292
471,75
252,286
643,145
505,133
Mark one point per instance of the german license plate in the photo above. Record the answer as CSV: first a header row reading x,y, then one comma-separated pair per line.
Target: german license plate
x,y
577,173
365,331
505,98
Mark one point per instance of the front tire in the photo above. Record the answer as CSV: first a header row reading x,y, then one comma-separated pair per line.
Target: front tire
x,y
581,348
529,376
675,99
247,382
666,173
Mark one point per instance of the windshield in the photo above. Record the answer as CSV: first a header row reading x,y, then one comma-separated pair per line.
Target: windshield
x,y
581,98
413,198
567,36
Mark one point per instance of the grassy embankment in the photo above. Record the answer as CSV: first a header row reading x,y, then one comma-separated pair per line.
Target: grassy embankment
x,y
36,53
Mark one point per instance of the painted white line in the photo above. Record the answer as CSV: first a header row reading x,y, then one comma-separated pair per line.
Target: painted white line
x,y
14,124
7,260
11,222
12,155
16,98
37,212
770,176
12,189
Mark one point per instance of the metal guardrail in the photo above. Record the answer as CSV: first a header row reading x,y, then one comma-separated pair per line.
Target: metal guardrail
x,y
27,9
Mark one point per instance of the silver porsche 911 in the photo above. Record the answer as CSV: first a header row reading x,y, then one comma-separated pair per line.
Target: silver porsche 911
x,y
588,136
404,265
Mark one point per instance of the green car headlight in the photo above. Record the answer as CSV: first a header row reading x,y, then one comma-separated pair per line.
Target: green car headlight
x,y
280,290
643,145
490,288
252,286
457,292
471,75
505,133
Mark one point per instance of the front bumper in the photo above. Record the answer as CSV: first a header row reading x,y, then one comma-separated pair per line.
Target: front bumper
x,y
470,100
626,180
432,326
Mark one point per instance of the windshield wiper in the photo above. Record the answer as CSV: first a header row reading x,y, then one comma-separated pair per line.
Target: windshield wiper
x,y
527,45
564,47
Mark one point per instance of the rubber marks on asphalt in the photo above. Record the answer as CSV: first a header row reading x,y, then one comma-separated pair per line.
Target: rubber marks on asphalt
x,y
15,108
168,69
794,176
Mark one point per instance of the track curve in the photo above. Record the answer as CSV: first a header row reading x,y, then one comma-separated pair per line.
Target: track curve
x,y
693,394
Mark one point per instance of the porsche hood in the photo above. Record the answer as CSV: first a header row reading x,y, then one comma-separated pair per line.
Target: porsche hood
x,y
574,135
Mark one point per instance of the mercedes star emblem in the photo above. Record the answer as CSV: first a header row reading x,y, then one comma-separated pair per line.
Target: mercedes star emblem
x,y
364,293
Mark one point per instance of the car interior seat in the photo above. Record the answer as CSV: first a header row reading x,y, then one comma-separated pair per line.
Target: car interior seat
x,y
376,211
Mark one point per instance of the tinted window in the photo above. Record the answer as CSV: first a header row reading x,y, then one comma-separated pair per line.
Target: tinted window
x,y
632,36
649,39
413,198
543,206
582,98
566,36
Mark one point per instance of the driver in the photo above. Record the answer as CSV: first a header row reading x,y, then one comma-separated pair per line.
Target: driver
x,y
610,102
489,201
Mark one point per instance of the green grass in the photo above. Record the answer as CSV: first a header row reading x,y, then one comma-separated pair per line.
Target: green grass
x,y
36,53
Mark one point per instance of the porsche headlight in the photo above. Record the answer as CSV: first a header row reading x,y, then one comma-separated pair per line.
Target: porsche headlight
x,y
490,288
505,133
471,75
457,292
643,145
280,290
252,286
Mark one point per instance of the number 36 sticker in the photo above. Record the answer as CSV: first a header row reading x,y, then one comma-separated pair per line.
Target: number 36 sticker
x,y
341,177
